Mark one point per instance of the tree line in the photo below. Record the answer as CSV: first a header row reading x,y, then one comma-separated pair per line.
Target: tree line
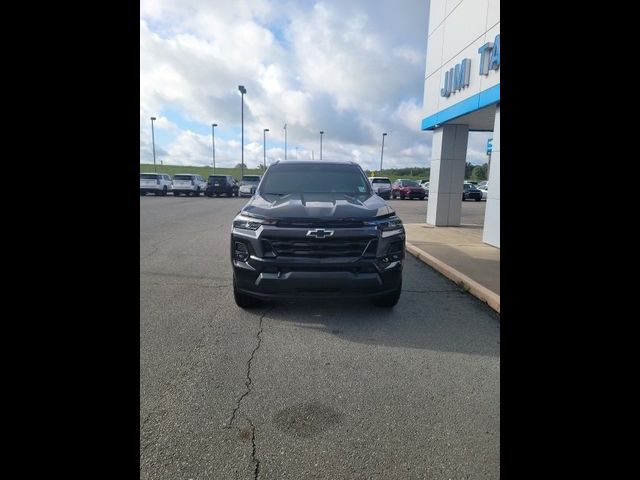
x,y
471,172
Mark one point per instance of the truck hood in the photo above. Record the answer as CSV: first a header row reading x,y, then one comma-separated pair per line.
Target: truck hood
x,y
317,206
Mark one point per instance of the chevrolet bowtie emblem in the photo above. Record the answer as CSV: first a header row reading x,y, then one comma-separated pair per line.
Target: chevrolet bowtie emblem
x,y
320,233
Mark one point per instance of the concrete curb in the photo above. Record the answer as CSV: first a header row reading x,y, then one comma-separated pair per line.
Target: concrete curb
x,y
474,288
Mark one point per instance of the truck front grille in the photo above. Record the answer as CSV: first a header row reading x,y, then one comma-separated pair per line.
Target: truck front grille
x,y
322,248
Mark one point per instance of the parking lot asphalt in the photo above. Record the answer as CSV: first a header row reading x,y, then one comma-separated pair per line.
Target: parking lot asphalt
x,y
311,389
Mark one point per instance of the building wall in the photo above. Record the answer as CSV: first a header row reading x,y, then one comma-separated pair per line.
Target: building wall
x,y
491,231
457,29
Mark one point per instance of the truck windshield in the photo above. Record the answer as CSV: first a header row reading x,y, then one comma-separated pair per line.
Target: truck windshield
x,y
283,179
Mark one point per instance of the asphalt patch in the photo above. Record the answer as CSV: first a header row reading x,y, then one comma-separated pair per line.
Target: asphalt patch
x,y
307,419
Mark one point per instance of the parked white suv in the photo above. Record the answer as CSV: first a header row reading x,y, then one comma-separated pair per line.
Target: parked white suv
x,y
248,185
189,184
381,186
158,183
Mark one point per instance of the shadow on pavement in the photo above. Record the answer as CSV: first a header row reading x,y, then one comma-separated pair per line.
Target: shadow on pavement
x,y
432,314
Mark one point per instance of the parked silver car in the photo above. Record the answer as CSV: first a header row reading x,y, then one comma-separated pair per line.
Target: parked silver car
x,y
484,188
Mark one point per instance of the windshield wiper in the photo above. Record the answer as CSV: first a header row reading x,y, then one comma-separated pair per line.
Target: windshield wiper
x,y
272,193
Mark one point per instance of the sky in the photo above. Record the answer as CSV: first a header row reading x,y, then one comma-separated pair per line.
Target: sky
x,y
351,68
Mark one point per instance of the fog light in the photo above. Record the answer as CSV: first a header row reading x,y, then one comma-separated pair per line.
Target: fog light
x,y
240,252
395,251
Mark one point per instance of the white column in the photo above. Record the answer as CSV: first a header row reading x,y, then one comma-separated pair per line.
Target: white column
x,y
491,232
446,179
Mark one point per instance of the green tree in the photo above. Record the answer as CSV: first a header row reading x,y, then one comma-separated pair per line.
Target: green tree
x,y
479,172
468,169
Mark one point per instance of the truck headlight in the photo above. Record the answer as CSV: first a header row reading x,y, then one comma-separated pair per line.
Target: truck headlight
x,y
388,225
251,223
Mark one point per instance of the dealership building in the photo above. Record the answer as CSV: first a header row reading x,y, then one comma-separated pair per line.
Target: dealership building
x,y
462,95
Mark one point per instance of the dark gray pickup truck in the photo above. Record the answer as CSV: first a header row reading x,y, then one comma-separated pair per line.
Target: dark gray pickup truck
x,y
316,230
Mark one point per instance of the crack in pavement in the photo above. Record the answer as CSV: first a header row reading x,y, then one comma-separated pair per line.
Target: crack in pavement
x,y
256,471
248,381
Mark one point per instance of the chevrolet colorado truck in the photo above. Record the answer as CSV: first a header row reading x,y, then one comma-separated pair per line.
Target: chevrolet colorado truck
x,y
316,230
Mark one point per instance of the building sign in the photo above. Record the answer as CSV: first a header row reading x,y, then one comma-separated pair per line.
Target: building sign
x,y
457,78
490,56
489,146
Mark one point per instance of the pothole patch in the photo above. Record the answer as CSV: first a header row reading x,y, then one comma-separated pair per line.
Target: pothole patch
x,y
307,419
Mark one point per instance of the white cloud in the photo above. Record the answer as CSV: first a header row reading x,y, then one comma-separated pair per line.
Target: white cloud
x,y
409,114
409,54
353,69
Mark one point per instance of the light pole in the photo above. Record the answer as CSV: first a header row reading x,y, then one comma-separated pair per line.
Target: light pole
x,y
242,92
213,139
153,142
382,151
321,133
285,141
264,146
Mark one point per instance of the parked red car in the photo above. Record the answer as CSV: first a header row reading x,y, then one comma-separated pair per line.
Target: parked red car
x,y
407,189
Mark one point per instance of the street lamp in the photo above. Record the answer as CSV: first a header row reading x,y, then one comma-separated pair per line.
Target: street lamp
x,y
321,133
213,139
264,146
242,92
285,141
382,151
153,141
